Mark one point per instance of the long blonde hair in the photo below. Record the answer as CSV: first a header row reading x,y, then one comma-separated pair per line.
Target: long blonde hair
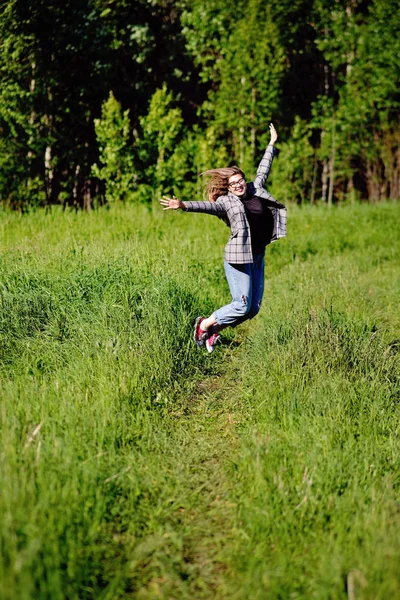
x,y
217,185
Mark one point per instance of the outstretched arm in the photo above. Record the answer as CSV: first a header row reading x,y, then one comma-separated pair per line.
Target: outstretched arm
x,y
210,208
266,161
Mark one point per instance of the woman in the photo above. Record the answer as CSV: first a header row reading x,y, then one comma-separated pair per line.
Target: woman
x,y
256,219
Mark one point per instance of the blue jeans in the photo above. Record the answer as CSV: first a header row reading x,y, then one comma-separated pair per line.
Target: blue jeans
x,y
246,283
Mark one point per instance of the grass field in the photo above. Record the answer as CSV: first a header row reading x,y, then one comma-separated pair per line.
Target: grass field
x,y
135,465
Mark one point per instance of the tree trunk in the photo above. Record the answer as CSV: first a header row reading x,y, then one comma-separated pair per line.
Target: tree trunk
x,y
332,164
32,85
324,180
253,129
32,117
350,54
241,131
395,187
75,191
48,170
350,190
87,195
314,179
48,174
372,185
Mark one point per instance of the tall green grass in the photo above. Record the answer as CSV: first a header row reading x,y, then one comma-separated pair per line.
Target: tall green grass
x,y
133,464
317,474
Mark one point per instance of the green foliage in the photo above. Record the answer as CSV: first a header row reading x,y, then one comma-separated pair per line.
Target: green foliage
x,y
206,27
245,69
58,62
215,73
292,178
210,149
116,160
17,124
162,127
249,93
165,147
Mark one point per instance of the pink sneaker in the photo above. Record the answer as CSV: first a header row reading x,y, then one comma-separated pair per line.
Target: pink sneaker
x,y
211,341
199,335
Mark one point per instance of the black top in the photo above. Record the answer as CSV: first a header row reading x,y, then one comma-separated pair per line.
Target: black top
x,y
261,222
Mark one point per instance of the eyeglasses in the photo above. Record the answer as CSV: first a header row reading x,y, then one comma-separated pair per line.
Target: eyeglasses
x,y
235,184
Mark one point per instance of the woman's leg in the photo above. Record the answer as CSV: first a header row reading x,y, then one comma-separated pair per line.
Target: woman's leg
x,y
246,283
240,284
257,278
249,279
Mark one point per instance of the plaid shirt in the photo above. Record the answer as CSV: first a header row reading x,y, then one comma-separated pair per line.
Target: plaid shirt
x,y
231,210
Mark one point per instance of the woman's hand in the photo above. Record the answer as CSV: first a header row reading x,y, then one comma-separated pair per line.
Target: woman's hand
x,y
171,203
274,135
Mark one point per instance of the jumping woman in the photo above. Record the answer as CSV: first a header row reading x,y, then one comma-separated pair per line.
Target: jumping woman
x,y
256,219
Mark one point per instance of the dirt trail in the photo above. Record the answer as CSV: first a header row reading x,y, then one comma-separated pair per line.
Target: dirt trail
x,y
209,524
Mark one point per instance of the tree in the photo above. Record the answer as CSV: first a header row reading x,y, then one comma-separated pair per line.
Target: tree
x,y
160,146
236,46
113,134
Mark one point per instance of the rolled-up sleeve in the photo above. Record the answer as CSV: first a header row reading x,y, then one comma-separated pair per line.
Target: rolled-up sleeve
x,y
265,166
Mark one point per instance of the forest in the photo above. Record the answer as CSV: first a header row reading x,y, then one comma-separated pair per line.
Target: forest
x,y
113,100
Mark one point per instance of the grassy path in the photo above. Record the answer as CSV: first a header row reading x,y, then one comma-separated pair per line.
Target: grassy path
x,y
205,440
208,517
